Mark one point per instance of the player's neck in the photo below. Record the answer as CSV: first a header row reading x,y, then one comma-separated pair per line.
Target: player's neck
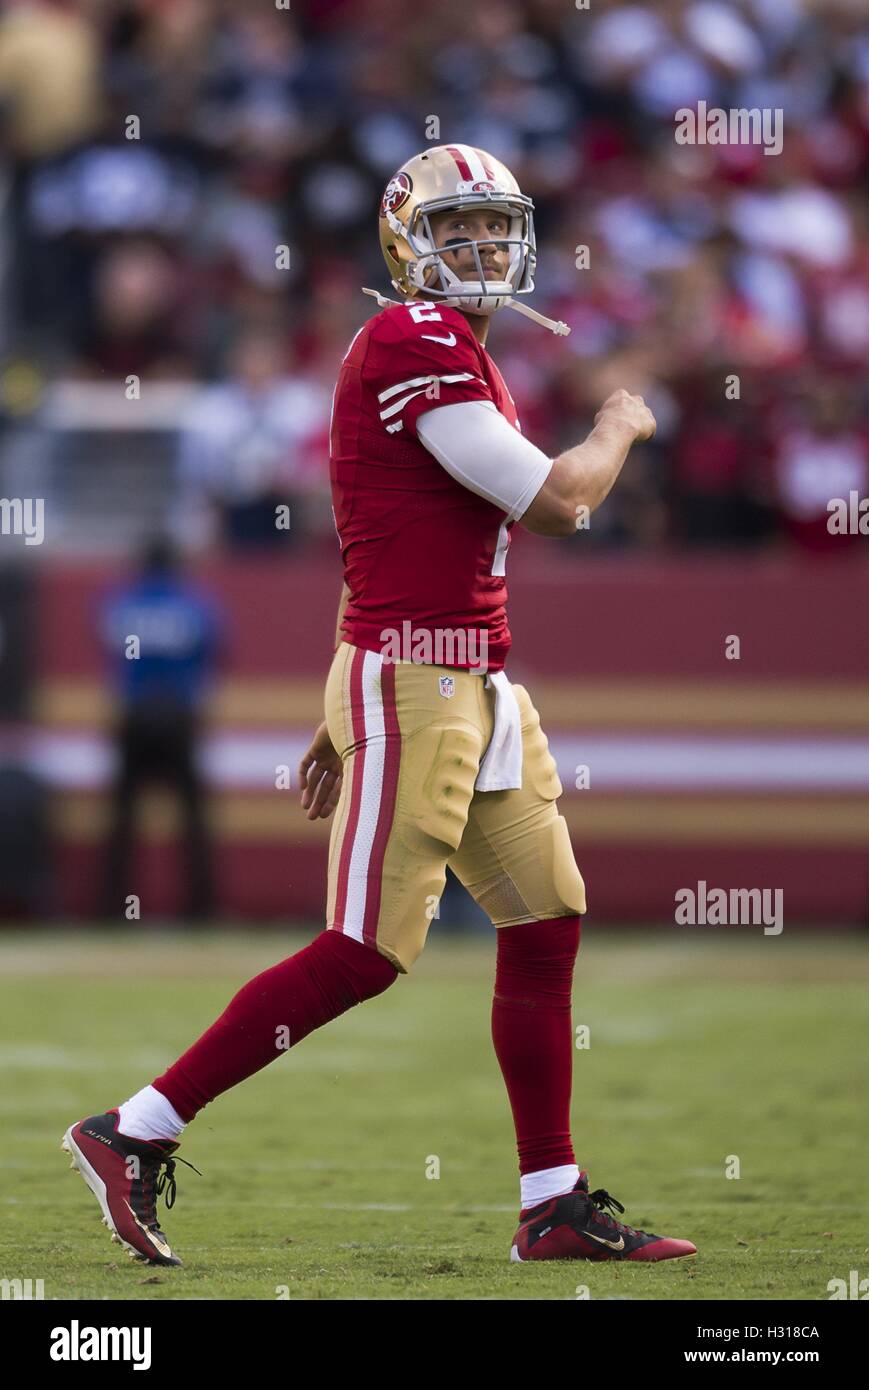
x,y
479,326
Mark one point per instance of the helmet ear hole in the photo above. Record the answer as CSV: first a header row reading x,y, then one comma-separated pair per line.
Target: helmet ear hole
x,y
392,253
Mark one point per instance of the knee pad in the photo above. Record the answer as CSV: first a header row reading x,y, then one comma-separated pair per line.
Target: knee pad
x,y
568,881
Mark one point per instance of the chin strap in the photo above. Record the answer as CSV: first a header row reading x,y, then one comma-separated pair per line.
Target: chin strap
x,y
557,326
381,298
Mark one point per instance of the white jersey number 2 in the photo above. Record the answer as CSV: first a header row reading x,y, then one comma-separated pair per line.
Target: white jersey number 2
x,y
426,311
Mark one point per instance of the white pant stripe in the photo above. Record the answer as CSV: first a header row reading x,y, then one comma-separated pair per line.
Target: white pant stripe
x,y
371,796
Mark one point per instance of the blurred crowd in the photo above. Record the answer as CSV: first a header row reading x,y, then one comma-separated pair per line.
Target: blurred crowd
x,y
730,286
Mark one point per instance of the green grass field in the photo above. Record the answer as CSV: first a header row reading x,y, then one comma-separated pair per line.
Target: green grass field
x,y
314,1171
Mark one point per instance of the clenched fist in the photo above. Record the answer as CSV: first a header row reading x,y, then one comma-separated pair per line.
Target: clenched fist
x,y
629,410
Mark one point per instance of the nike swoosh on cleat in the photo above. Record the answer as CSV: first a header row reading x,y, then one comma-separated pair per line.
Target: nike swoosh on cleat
x,y
152,1236
613,1244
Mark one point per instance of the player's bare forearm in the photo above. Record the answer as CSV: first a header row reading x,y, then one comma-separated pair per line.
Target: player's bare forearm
x,y
584,475
590,469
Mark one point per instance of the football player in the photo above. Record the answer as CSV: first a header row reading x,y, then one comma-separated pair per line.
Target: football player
x,y
429,756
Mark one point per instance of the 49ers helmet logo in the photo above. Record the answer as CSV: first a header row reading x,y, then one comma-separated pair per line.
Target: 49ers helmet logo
x,y
396,193
479,186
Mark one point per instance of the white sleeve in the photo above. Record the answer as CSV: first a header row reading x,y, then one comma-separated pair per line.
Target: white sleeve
x,y
479,447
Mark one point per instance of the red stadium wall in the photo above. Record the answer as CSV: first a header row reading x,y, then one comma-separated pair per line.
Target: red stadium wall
x,y
743,773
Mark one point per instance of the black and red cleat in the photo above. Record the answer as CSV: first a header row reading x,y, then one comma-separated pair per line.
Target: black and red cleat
x,y
126,1176
575,1226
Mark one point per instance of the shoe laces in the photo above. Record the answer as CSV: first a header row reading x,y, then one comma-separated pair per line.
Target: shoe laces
x,y
601,1199
160,1178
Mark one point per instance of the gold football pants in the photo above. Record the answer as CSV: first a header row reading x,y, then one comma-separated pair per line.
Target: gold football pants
x,y
411,752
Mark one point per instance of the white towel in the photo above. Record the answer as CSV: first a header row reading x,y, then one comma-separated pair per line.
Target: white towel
x,y
501,767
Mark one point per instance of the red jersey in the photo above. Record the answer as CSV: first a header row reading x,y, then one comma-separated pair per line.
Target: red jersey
x,y
424,557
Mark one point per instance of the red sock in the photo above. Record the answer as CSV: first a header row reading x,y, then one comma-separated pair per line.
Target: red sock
x,y
533,1035
301,993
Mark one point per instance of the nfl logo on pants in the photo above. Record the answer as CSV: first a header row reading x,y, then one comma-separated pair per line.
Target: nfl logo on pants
x,y
447,686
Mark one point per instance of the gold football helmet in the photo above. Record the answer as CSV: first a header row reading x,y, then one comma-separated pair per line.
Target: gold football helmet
x,y
440,179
